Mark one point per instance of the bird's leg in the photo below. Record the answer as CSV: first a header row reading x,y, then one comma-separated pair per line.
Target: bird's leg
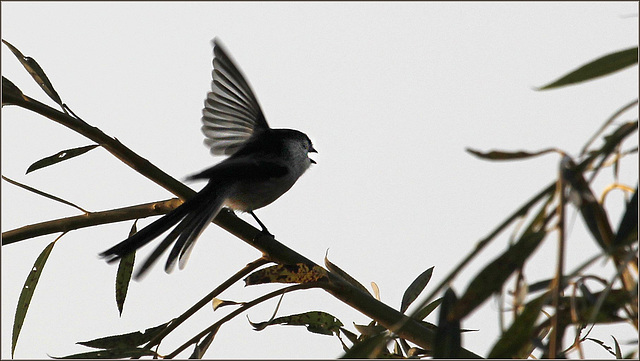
x,y
264,228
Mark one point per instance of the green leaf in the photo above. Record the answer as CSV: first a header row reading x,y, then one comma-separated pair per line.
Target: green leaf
x,y
27,293
315,321
344,275
202,346
502,155
371,329
600,67
617,346
373,347
520,333
123,275
594,215
447,339
36,73
111,354
59,157
628,228
125,341
10,92
426,310
415,288
123,278
492,277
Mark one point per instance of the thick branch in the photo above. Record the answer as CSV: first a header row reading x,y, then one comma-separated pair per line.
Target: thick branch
x,y
273,250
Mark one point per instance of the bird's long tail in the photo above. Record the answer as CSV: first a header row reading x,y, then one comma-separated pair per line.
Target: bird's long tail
x,y
192,217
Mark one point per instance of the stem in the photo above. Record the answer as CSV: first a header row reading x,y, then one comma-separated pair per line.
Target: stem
x,y
206,299
555,341
244,307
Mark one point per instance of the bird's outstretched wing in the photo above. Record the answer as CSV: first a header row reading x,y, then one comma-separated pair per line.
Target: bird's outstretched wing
x,y
231,111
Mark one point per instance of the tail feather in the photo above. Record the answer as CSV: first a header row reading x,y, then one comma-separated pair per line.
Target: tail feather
x,y
147,234
193,225
191,218
197,231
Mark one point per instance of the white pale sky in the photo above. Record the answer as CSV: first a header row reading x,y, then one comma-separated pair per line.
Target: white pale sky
x,y
391,95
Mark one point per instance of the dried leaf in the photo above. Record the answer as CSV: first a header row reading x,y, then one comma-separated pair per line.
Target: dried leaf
x,y
376,290
298,273
217,303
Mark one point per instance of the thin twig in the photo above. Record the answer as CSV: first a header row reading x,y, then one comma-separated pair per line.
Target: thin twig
x,y
44,194
206,299
555,341
244,307
606,124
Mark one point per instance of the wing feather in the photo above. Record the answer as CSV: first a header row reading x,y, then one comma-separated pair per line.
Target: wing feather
x,y
231,113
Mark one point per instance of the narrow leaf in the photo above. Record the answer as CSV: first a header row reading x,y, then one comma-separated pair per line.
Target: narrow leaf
x,y
520,333
594,215
123,275
493,276
415,288
426,310
344,275
111,354
217,303
202,346
315,321
600,67
36,73
125,341
27,293
373,347
447,339
261,325
123,278
617,346
376,290
371,329
628,228
502,155
59,157
44,194
298,273
10,92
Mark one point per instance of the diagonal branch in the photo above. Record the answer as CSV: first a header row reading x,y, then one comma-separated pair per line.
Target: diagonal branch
x,y
273,250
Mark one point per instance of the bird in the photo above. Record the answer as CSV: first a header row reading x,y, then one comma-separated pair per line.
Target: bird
x,y
262,164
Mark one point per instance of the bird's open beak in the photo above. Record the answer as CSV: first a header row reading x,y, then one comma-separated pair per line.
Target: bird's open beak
x,y
312,150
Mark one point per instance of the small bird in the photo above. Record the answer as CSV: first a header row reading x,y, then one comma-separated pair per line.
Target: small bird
x,y
263,164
